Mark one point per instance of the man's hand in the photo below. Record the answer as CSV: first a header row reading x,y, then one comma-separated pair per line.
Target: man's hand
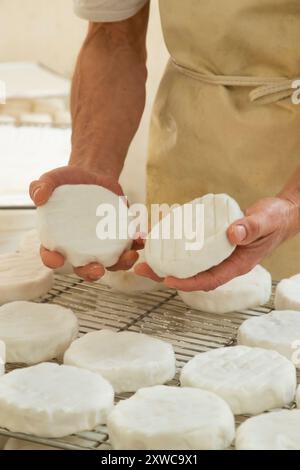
x,y
40,192
266,225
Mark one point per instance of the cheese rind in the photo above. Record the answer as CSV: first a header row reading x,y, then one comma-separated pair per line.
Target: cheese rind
x,y
68,223
250,380
243,292
171,418
23,277
287,294
279,430
128,360
35,332
279,331
171,257
48,400
128,282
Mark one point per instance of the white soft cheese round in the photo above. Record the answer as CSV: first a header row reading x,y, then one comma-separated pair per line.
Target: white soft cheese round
x,y
129,361
30,245
171,257
171,418
48,400
243,292
34,332
250,380
287,294
69,224
128,282
279,331
279,430
23,277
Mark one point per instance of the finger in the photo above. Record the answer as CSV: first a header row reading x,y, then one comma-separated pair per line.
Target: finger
x,y
251,228
238,264
138,244
144,270
126,261
52,259
40,192
91,272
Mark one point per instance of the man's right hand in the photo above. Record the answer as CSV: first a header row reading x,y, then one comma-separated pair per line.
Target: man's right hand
x,y
40,192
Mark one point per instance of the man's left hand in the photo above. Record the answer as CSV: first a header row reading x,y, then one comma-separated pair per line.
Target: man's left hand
x,y
266,225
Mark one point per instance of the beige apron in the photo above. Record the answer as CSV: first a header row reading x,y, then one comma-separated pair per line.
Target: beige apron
x,y
223,120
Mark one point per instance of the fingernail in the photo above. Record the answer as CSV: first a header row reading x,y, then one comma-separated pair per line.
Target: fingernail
x,y
240,232
37,189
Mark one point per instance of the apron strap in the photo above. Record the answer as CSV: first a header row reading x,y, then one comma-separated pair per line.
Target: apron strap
x,y
266,90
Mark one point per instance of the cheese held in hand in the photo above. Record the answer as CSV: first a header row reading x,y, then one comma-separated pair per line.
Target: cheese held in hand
x,y
68,224
171,257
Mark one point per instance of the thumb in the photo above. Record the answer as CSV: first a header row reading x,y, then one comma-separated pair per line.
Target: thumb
x,y
40,191
250,229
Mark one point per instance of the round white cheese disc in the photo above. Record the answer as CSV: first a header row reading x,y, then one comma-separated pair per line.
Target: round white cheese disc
x,y
34,332
127,360
279,331
2,356
23,277
69,224
30,244
250,380
243,292
172,256
171,418
279,430
48,400
128,282
18,444
287,294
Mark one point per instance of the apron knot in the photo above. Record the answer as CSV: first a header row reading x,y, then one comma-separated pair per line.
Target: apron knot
x,y
266,90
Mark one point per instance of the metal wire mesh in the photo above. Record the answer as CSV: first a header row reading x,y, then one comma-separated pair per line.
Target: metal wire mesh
x,y
158,313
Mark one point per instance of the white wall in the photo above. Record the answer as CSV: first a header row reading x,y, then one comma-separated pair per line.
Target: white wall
x,y
48,31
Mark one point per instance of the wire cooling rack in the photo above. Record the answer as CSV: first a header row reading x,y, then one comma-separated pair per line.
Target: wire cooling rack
x,y
158,313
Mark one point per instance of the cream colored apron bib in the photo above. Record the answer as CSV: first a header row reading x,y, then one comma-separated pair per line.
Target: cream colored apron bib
x,y
223,120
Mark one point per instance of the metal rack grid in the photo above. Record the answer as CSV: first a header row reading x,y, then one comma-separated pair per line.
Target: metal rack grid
x,y
160,313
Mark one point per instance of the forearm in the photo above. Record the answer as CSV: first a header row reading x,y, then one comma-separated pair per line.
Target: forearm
x,y
108,94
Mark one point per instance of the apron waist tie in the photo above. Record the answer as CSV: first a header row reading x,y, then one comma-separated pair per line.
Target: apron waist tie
x,y
266,90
